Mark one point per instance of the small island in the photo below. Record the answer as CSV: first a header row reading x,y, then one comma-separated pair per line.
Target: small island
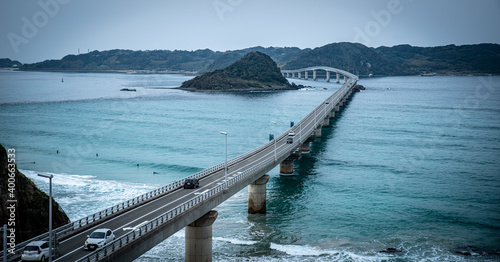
x,y
254,72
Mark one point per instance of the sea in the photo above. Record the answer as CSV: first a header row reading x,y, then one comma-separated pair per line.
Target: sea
x,y
407,171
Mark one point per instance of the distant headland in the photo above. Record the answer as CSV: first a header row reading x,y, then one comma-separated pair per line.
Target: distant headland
x,y
353,57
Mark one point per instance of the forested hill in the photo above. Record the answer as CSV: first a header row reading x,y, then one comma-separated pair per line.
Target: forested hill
x,y
7,63
403,59
255,71
353,57
158,60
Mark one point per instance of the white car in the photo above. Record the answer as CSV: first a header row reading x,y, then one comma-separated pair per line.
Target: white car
x,y
99,238
36,251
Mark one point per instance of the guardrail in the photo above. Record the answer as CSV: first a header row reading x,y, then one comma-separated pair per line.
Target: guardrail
x,y
73,226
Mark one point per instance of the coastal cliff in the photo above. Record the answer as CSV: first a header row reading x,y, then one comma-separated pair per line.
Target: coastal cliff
x,y
25,208
255,71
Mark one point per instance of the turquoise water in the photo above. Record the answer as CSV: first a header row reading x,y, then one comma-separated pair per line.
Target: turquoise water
x,y
410,163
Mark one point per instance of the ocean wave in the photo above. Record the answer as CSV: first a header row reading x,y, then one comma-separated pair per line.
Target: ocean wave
x,y
83,195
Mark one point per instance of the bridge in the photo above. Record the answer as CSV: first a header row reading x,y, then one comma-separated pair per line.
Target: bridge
x,y
144,221
304,73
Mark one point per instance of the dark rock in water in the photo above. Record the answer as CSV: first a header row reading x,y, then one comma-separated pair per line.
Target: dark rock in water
x,y
358,88
128,89
391,250
476,251
31,213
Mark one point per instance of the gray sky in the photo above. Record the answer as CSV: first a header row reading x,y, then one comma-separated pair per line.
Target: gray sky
x,y
36,30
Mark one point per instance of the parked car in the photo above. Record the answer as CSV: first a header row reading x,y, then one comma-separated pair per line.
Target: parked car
x,y
99,238
289,139
191,183
36,251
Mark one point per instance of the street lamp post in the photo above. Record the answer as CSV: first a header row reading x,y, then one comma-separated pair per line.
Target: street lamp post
x,y
274,136
225,168
50,213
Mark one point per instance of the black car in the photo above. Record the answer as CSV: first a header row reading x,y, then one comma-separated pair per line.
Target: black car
x,y
191,183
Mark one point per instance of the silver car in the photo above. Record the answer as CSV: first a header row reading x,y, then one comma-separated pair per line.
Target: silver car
x,y
99,238
36,251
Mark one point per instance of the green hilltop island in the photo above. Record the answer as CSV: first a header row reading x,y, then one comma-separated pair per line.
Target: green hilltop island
x,y
254,72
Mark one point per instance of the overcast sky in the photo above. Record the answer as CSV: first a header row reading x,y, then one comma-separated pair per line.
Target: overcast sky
x,y
36,30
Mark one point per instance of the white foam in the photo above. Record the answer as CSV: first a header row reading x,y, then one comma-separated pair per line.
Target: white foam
x,y
296,250
80,196
236,241
323,254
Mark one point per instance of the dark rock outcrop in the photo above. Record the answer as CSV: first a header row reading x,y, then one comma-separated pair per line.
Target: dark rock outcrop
x,y
391,250
255,71
30,217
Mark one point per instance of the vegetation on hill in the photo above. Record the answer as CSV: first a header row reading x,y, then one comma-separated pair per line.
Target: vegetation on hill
x,y
403,59
353,57
157,60
450,59
7,63
255,71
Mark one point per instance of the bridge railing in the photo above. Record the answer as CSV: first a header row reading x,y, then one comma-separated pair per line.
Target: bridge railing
x,y
171,214
103,214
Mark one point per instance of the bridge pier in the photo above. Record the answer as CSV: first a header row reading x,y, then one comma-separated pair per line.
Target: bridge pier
x,y
338,78
198,240
337,108
345,79
257,196
293,75
326,121
299,75
305,148
332,114
327,76
286,167
314,75
305,75
317,132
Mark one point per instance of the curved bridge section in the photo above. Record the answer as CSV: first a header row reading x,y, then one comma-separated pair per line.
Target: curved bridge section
x,y
304,73
145,221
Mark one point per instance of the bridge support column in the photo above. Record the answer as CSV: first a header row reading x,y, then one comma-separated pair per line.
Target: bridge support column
x,y
338,78
326,121
198,240
327,76
332,114
345,78
337,108
317,132
314,75
293,75
257,196
299,75
305,75
286,167
305,148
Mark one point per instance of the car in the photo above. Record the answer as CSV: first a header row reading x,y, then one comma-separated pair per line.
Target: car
x,y
36,251
99,238
191,183
289,139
